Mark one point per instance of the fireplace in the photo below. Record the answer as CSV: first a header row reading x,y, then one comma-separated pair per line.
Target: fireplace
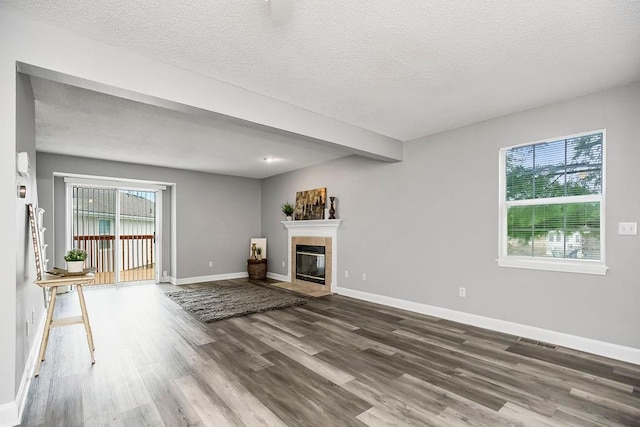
x,y
323,233
310,263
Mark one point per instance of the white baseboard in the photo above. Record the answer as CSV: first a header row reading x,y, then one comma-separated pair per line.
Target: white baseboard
x,y
601,348
212,278
279,277
11,412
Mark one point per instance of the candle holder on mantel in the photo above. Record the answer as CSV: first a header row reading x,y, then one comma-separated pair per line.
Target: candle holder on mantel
x,y
332,209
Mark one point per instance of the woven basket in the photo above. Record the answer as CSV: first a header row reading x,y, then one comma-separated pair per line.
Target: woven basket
x,y
257,269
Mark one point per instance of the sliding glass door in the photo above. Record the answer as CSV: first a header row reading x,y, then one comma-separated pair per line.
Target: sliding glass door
x,y
117,227
137,229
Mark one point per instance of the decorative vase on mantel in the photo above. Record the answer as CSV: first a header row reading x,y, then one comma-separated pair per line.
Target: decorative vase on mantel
x,y
332,209
289,218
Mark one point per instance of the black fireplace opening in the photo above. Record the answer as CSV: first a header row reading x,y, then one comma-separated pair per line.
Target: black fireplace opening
x,y
310,263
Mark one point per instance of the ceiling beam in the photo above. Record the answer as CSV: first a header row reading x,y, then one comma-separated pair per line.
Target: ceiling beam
x,y
59,55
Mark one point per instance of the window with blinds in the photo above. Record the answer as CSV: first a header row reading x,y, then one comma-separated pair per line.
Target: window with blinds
x,y
552,204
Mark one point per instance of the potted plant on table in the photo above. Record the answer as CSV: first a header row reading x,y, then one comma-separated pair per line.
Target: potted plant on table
x,y
75,260
288,209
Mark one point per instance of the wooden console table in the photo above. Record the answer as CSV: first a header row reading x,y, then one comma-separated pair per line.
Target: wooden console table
x,y
52,283
257,268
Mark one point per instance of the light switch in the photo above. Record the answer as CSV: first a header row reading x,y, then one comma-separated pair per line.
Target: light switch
x,y
627,228
23,163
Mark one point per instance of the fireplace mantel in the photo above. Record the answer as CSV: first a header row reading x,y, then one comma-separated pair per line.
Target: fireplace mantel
x,y
315,228
312,224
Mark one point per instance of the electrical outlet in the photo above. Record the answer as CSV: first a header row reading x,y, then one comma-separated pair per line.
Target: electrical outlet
x,y
210,263
364,276
284,264
27,328
462,292
346,274
33,317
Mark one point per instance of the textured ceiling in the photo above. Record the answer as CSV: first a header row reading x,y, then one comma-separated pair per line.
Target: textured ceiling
x,y
403,69
80,122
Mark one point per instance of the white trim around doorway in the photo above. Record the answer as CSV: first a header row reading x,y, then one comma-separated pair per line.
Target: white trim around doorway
x,y
126,184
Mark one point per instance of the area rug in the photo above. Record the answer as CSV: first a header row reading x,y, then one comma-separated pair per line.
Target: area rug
x,y
223,302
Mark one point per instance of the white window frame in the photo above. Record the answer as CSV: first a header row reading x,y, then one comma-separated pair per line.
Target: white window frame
x,y
583,266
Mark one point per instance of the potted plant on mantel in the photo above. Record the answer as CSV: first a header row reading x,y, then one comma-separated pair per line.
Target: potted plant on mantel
x,y
75,260
288,209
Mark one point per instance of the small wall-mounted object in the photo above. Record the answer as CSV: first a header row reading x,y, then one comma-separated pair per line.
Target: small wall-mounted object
x,y
628,228
22,191
23,163
281,10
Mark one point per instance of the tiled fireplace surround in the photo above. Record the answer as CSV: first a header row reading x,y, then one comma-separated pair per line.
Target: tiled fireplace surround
x,y
311,241
316,233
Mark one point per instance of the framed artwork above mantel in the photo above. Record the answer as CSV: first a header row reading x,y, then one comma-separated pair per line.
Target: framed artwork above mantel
x,y
310,204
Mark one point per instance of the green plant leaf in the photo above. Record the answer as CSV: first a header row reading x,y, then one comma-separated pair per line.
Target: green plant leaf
x,y
75,255
287,209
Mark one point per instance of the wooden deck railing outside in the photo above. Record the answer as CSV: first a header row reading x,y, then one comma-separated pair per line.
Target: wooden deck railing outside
x,y
136,256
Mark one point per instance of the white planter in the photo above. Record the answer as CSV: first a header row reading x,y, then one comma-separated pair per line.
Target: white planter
x,y
75,266
289,218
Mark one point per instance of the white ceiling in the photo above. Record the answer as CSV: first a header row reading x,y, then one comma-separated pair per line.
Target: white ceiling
x,y
81,122
403,69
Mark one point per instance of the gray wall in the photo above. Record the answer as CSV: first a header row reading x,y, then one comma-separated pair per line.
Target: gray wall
x,y
422,228
28,296
216,215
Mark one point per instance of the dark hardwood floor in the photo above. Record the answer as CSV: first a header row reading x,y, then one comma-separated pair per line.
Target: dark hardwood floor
x,y
335,361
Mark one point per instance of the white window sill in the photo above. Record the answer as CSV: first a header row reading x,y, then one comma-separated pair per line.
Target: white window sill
x,y
567,266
